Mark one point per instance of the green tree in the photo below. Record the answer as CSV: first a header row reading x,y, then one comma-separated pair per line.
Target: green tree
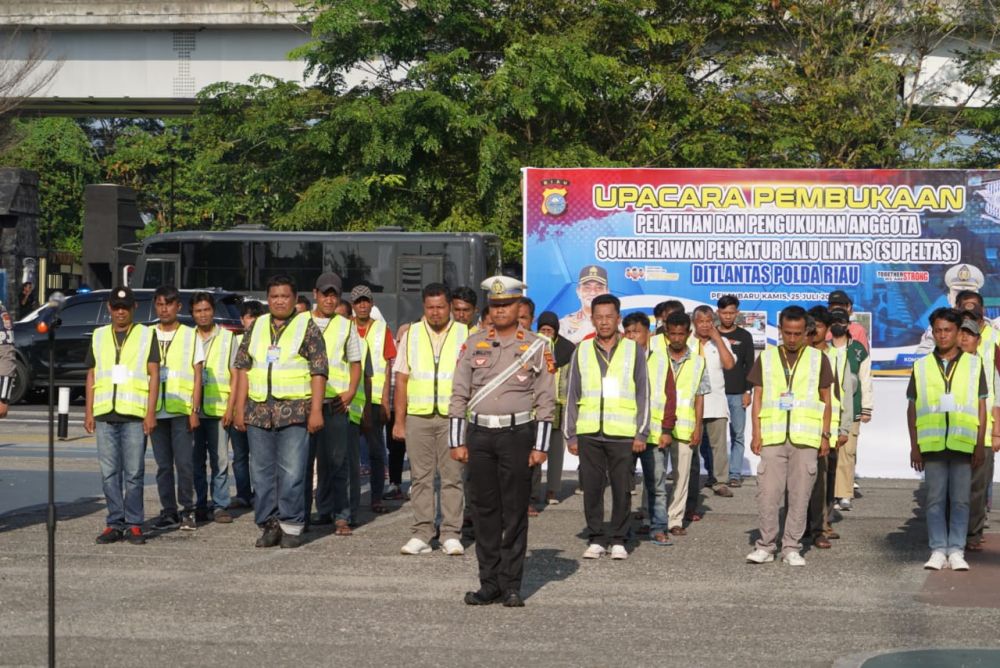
x,y
59,150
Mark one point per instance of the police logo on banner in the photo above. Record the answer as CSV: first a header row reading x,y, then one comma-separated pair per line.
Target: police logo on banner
x,y
554,196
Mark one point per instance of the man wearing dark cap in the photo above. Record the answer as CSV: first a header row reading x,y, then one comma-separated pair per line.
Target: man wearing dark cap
x,y
839,299
592,281
328,448
501,410
123,380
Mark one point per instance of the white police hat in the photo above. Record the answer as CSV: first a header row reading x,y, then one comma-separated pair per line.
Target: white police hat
x,y
503,288
964,277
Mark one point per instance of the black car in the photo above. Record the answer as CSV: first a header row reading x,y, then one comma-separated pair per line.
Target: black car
x,y
81,315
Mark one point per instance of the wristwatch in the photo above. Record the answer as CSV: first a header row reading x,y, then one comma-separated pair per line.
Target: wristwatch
x,y
826,435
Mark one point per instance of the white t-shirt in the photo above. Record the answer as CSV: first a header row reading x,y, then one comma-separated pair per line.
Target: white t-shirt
x,y
716,404
163,339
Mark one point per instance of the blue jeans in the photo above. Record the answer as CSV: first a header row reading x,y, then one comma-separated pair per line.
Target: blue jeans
x,y
172,447
654,474
210,439
948,478
328,454
121,452
278,470
737,428
241,464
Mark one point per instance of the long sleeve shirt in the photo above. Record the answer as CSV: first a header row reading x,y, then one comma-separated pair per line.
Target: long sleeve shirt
x,y
640,377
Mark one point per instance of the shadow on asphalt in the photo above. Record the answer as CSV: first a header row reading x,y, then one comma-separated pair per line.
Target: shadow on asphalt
x,y
27,516
909,541
545,566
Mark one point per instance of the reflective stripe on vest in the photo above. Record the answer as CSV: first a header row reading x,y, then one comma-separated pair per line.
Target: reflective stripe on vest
x,y
687,381
357,406
428,387
375,337
657,364
803,424
335,336
177,389
288,377
216,375
987,351
607,406
131,396
938,430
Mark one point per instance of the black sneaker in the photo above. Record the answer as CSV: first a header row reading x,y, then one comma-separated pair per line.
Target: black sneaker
x,y
188,523
203,515
288,541
134,536
271,535
109,535
166,521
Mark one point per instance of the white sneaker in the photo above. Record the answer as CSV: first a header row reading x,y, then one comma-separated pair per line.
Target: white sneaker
x,y
937,561
619,552
759,556
957,562
793,559
594,551
415,546
845,504
453,547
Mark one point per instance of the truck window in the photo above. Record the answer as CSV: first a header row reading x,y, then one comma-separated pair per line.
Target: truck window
x,y
302,260
215,264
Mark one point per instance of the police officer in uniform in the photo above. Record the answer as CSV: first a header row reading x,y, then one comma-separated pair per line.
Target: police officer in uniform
x,y
502,406
6,360
592,281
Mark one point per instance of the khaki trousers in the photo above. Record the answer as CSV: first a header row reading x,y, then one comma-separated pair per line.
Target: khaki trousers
x,y
681,453
427,447
847,459
717,434
784,467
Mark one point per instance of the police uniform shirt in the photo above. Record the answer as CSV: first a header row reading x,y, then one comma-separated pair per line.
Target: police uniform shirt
x,y
532,387
576,326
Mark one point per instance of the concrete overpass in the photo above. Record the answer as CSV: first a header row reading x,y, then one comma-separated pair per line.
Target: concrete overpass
x,y
146,57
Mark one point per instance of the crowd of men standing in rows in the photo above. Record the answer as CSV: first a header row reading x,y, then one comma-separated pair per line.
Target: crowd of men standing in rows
x,y
479,409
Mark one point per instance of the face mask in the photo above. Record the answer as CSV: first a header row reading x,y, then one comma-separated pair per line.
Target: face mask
x,y
838,330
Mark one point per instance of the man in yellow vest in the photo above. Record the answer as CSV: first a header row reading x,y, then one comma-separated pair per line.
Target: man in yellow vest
x,y
181,362
215,414
791,428
946,416
501,412
425,369
607,420
979,337
382,351
122,386
328,448
282,369
841,419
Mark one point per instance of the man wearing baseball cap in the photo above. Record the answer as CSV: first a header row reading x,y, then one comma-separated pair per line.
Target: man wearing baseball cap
x,y
840,299
592,281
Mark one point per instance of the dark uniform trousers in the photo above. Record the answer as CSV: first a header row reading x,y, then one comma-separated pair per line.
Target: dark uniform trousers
x,y
500,490
603,460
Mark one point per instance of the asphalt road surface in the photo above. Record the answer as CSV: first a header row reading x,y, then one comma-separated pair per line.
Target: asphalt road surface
x,y
210,598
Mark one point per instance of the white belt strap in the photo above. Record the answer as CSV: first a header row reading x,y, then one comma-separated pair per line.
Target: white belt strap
x,y
486,389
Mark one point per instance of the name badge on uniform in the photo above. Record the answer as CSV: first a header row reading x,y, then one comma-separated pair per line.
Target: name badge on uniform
x,y
273,352
786,401
119,374
609,387
947,403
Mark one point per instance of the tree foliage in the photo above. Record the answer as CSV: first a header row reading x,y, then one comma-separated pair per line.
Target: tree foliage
x,y
422,113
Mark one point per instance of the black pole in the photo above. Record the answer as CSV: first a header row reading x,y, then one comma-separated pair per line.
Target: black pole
x,y
52,497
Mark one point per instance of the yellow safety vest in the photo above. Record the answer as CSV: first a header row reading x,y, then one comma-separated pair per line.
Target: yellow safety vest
x,y
375,338
130,396
335,336
607,403
937,429
428,388
177,373
987,351
657,363
687,381
803,423
357,406
286,378
838,361
215,387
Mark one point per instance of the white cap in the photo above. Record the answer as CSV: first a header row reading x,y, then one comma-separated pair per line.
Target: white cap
x,y
964,277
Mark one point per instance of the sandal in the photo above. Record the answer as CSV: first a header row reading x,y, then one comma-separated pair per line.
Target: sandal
x,y
832,535
532,511
660,538
342,528
378,508
678,531
692,517
822,542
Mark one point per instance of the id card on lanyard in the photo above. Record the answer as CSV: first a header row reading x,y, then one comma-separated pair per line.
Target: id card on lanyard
x,y
786,401
947,402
